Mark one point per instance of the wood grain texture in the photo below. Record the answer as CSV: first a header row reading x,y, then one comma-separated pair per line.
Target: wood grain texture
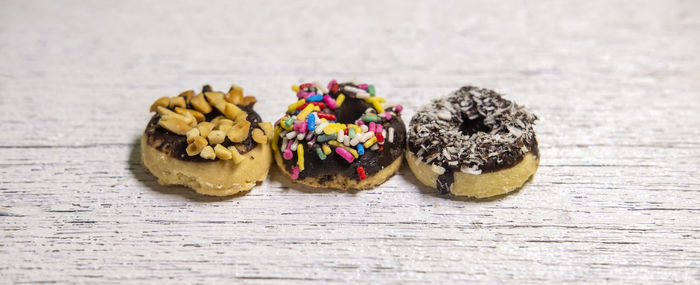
x,y
615,83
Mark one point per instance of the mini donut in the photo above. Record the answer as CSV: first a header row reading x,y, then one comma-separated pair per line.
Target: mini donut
x,y
473,143
339,135
211,142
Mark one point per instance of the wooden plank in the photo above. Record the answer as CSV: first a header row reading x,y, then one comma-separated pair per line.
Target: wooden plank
x,y
614,83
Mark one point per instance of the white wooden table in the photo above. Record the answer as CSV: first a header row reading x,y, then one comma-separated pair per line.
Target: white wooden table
x,y
615,83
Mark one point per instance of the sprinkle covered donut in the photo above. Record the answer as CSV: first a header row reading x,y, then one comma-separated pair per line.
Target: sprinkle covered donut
x,y
474,143
339,135
212,142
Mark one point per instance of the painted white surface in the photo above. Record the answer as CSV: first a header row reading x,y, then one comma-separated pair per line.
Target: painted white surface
x,y
615,84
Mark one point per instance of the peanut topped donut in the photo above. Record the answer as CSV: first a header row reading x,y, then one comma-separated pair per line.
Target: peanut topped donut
x,y
339,135
473,142
211,142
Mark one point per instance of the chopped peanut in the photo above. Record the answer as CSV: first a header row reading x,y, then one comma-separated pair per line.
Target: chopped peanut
x,y
222,152
224,128
213,96
197,115
216,120
222,122
165,112
190,119
208,153
175,125
187,95
200,104
162,102
235,155
177,101
205,128
196,146
247,100
235,94
216,137
267,128
242,117
216,99
259,136
191,134
220,105
239,131
233,112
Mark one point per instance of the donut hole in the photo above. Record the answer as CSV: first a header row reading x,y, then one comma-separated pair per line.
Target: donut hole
x,y
351,110
473,126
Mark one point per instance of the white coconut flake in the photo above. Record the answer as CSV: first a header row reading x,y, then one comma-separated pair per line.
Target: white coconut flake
x,y
444,115
437,169
470,170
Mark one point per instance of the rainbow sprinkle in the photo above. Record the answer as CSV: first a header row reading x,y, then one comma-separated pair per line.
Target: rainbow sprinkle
x,y
361,173
311,120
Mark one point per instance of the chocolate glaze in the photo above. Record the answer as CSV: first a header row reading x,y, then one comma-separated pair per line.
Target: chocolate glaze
x,y
371,161
175,145
492,164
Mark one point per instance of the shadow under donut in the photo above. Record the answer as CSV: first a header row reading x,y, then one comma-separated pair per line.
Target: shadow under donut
x,y
142,174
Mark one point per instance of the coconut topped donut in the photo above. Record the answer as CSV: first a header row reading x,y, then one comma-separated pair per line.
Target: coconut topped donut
x,y
339,135
472,131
